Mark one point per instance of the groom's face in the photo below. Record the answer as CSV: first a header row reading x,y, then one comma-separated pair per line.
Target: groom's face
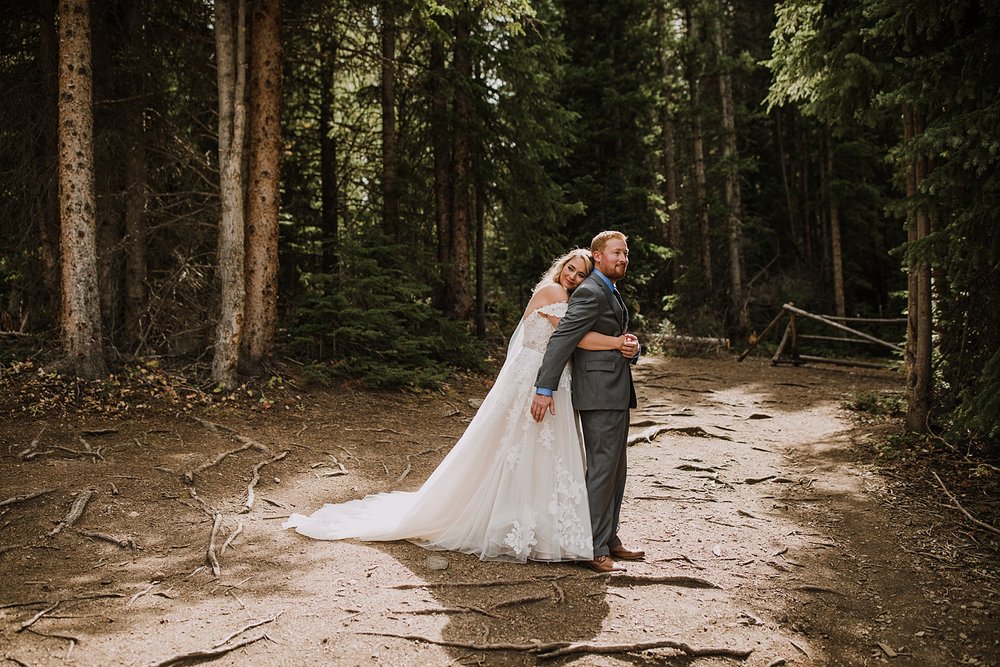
x,y
613,260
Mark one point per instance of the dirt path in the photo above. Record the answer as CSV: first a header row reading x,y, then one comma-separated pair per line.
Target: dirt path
x,y
746,483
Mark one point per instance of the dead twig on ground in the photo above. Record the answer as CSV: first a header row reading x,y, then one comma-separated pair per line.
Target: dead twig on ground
x,y
75,512
525,600
958,505
141,593
95,455
446,610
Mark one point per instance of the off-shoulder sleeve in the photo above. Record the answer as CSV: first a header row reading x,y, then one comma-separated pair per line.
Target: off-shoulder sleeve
x,y
556,309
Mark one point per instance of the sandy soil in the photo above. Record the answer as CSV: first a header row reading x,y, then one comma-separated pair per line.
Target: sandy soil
x,y
764,531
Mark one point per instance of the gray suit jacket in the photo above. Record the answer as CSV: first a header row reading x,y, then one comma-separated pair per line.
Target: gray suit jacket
x,y
602,379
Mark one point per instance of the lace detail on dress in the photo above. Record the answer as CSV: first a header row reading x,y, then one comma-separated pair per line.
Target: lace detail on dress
x,y
521,538
568,498
538,328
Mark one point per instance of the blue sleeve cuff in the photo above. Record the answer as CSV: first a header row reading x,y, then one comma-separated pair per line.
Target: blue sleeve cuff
x,y
544,391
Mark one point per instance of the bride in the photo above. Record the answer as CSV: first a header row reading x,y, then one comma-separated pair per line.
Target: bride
x,y
511,488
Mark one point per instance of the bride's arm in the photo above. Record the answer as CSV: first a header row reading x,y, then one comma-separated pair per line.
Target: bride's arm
x,y
597,341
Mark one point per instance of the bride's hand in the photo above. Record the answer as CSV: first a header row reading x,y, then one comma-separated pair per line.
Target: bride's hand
x,y
630,346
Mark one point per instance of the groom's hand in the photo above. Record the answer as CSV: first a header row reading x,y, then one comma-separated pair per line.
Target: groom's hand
x,y
541,404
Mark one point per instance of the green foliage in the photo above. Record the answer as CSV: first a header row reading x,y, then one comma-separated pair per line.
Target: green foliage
x,y
374,323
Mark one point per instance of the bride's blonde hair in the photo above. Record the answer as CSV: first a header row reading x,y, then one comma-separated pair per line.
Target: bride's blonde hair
x,y
559,263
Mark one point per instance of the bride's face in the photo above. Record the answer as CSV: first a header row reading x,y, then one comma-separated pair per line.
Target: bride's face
x,y
573,273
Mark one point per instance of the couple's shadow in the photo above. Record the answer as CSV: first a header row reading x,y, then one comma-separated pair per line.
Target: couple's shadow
x,y
492,603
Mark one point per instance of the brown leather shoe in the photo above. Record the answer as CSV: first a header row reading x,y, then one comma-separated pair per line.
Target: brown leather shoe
x,y
621,553
601,564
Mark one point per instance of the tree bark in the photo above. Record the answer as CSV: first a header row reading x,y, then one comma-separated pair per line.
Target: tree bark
x,y
917,354
698,157
732,196
329,187
459,302
81,315
390,194
442,160
230,48
135,179
39,310
836,250
670,231
264,198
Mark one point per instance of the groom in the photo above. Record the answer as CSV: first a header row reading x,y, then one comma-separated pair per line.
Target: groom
x,y
602,390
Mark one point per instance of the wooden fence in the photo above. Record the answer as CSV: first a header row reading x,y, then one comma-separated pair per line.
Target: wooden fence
x,y
788,348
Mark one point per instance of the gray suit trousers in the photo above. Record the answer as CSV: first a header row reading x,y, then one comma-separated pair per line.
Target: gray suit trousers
x,y
605,434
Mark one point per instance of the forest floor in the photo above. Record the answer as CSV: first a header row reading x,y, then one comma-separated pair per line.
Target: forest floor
x,y
769,534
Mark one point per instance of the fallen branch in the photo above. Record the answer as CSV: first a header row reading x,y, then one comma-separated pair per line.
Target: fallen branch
x,y
406,470
75,512
252,443
27,496
248,505
984,526
212,559
204,655
649,435
33,445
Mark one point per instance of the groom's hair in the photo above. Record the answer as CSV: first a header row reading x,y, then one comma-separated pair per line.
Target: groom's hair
x,y
601,240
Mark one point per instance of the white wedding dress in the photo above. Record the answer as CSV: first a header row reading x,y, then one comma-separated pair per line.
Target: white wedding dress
x,y
510,489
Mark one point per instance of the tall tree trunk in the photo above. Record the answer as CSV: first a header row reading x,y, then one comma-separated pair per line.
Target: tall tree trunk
x,y
390,194
329,187
230,49
732,196
670,232
788,171
459,303
698,155
81,314
264,198
836,248
479,210
440,138
919,382
135,178
41,302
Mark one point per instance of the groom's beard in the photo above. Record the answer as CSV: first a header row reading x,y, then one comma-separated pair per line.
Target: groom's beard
x,y
616,271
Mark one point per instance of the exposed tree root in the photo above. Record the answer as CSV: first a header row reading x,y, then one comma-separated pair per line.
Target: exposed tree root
x,y
248,505
212,558
31,621
249,626
26,496
550,650
123,542
981,524
640,580
189,475
232,536
477,584
204,655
